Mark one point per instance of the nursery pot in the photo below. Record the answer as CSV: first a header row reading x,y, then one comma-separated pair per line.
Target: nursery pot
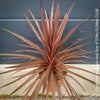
x,y
59,79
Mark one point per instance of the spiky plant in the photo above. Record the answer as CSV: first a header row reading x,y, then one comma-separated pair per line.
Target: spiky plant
x,y
51,69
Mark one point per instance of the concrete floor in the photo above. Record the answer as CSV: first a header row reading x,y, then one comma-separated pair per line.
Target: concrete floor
x,y
85,98
90,89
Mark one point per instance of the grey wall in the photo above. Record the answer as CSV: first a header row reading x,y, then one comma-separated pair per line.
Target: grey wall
x,y
12,18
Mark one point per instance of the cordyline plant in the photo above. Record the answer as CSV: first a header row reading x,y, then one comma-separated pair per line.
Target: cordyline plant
x,y
51,70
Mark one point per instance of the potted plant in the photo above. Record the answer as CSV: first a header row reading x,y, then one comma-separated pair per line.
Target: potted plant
x,y
49,71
